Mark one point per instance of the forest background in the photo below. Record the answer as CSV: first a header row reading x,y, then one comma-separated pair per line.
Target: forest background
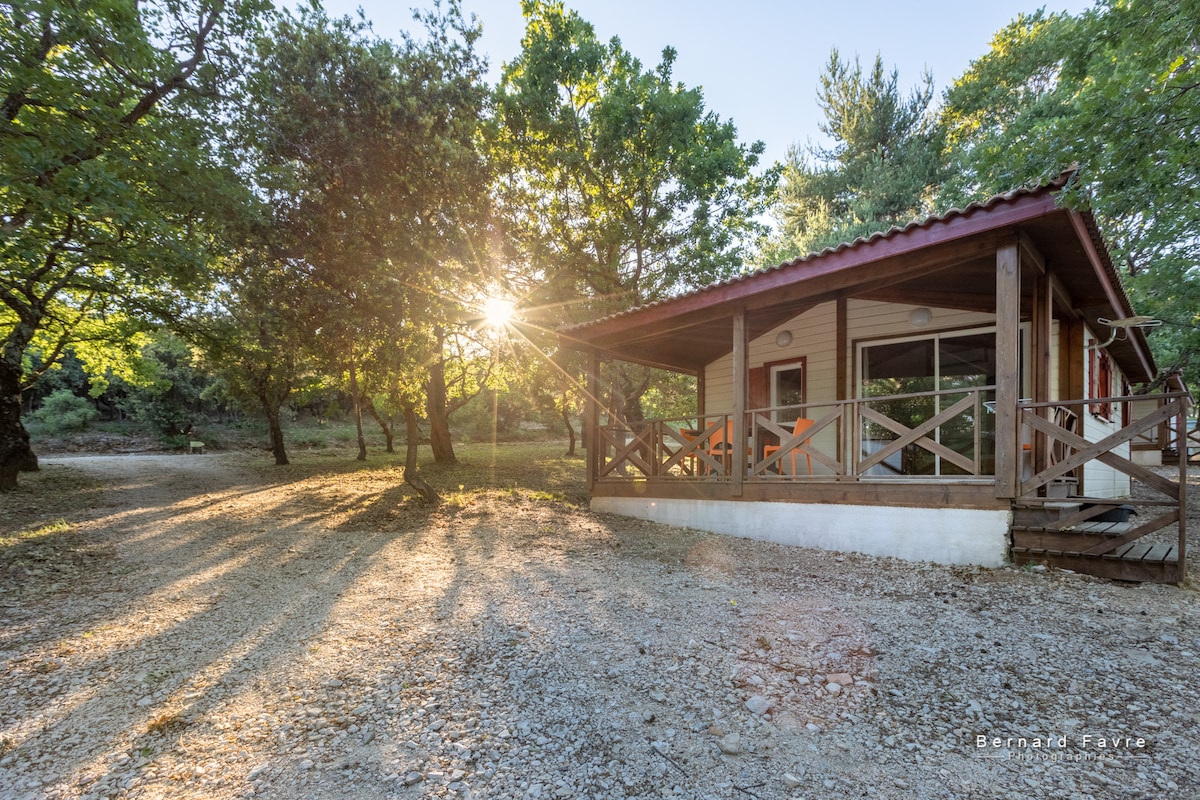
x,y
219,214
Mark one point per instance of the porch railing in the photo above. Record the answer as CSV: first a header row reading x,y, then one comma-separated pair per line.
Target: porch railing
x,y
1157,501
925,435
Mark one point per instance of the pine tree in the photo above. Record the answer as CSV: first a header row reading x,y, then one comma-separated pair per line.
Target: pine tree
x,y
881,168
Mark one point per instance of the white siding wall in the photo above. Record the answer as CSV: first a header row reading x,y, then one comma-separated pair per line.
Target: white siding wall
x,y
814,337
1101,480
871,320
1145,455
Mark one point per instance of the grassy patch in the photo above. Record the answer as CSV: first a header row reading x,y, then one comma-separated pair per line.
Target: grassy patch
x,y
43,553
532,472
29,534
372,495
535,471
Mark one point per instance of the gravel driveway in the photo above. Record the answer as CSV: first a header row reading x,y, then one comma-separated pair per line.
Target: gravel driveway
x,y
207,632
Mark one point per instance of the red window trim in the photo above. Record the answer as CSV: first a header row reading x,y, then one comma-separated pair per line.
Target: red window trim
x,y
1100,380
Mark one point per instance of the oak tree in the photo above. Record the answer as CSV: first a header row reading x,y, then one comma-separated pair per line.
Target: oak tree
x,y
111,188
619,185
1113,94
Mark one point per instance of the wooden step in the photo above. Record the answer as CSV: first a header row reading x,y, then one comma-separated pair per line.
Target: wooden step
x,y
1152,563
1042,514
1081,538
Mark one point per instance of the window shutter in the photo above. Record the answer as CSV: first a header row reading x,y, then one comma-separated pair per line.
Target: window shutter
x,y
759,388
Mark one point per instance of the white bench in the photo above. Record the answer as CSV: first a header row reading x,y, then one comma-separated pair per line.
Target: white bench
x,y
195,447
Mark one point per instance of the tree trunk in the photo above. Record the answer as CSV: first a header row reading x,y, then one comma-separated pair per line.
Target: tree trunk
x,y
358,426
275,429
15,454
273,409
436,406
566,415
411,475
384,425
631,383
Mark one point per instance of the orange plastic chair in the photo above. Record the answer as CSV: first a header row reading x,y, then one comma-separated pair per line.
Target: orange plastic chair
x,y
801,426
720,444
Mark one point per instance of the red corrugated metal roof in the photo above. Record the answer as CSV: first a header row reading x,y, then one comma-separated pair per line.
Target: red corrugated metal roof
x,y
862,241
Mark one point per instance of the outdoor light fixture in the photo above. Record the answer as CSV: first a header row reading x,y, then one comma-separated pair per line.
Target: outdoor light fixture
x,y
919,317
783,338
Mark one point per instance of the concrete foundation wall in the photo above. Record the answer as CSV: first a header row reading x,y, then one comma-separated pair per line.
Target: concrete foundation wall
x,y
940,535
1147,458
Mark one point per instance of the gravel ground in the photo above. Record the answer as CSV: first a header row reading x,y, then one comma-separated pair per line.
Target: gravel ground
x,y
203,632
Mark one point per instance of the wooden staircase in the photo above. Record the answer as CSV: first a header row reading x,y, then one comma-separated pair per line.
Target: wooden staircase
x,y
1065,533
1100,536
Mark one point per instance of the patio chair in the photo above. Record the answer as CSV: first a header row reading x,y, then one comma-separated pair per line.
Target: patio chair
x,y
720,445
800,427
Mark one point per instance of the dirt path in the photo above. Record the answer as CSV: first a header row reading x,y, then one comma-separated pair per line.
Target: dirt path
x,y
234,632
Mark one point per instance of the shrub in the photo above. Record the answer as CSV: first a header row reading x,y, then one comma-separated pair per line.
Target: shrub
x,y
65,411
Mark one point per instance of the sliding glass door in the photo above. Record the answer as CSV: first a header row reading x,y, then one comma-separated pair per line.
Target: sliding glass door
x,y
903,373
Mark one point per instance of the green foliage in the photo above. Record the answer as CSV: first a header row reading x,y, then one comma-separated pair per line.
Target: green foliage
x,y
997,113
1113,92
671,395
67,374
112,189
620,186
65,411
107,157
366,152
169,395
506,416
882,169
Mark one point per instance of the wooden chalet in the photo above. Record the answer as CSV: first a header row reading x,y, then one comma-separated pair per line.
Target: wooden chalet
x,y
959,391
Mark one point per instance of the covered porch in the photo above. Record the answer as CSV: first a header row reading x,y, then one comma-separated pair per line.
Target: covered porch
x,y
932,393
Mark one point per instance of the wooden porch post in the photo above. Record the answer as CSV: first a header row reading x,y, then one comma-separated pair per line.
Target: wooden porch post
x,y
1181,423
1042,312
843,391
1008,365
592,414
740,382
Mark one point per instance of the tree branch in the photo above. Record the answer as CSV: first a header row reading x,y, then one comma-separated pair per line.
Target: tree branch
x,y
18,97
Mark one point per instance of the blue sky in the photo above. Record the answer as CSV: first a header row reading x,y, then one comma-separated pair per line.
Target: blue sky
x,y
758,61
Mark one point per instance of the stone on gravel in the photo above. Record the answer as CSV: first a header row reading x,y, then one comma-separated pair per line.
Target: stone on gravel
x,y
757,704
730,744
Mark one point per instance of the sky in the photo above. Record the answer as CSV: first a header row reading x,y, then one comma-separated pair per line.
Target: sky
x,y
758,61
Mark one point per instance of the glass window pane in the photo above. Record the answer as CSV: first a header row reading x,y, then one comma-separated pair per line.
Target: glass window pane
x,y
941,362
899,368
789,386
967,361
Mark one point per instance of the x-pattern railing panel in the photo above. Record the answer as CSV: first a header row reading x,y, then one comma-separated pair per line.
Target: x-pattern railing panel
x,y
656,449
631,451
1085,451
1080,451
694,447
919,436
802,443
